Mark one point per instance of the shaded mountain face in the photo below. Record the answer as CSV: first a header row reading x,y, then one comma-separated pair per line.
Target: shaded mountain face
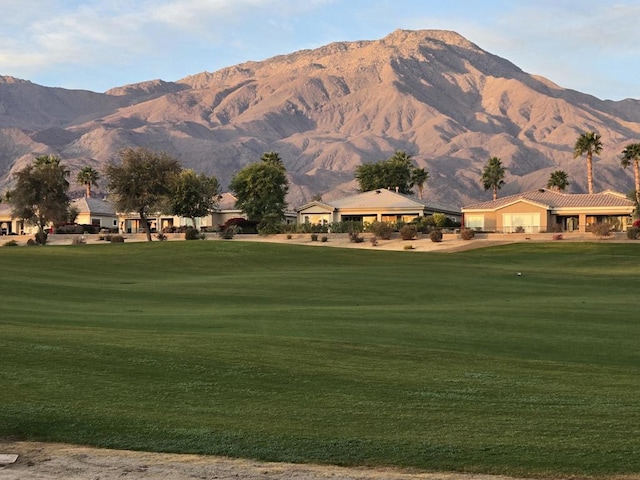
x,y
433,94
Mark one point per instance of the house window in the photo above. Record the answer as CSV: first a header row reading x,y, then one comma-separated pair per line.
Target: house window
x,y
95,222
474,221
521,222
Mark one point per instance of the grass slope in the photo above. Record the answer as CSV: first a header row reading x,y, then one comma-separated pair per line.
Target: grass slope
x,y
277,352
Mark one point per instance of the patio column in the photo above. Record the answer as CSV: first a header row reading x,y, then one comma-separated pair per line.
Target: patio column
x,y
582,223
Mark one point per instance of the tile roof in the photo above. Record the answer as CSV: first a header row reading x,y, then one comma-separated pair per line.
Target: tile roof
x,y
383,198
93,205
552,200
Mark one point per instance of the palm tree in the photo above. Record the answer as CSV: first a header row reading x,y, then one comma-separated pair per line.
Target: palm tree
x,y
558,180
418,177
493,176
87,177
631,155
588,143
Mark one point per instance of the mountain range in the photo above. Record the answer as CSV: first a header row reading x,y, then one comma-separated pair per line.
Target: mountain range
x,y
431,93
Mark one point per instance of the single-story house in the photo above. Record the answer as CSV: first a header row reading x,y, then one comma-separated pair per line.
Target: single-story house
x,y
9,225
375,205
225,210
546,210
96,212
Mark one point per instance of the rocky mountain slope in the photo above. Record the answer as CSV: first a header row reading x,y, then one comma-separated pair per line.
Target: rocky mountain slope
x,y
433,94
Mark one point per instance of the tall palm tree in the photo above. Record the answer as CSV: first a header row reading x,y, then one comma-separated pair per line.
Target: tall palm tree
x,y
87,177
631,155
558,180
418,177
588,143
493,176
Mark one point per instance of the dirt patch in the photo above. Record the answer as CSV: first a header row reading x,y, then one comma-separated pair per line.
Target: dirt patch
x,y
54,461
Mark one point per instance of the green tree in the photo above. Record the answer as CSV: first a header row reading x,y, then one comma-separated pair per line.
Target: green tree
x,y
40,195
493,176
88,177
419,176
194,195
397,171
631,156
588,143
142,182
261,189
558,180
272,158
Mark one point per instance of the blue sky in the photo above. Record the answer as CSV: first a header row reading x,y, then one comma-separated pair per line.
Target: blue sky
x,y
586,45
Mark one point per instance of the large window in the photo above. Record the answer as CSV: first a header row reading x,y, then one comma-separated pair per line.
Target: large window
x,y
521,222
474,221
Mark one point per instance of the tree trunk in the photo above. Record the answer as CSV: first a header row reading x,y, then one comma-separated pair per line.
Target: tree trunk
x,y
495,193
636,172
145,225
88,190
589,173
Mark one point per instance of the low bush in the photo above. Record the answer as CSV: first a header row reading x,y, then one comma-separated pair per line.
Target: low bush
x,y
289,236
557,236
242,225
519,229
324,239
467,234
382,230
408,232
31,242
11,243
116,239
436,236
636,223
633,233
373,240
161,236
229,232
601,229
354,237
314,237
408,247
41,238
193,234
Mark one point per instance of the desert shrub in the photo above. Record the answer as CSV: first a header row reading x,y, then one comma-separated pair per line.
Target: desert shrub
x,y
270,225
373,240
289,236
467,234
519,229
116,239
161,236
439,219
11,243
242,225
41,238
601,229
436,236
408,232
192,234
79,240
354,237
424,224
31,242
382,230
636,223
408,247
633,233
324,239
314,237
229,232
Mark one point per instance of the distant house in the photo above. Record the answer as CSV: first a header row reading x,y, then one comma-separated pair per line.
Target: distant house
x,y
375,205
546,210
96,212
9,225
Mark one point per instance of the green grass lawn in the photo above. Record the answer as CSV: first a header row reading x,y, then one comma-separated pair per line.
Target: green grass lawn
x,y
351,357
